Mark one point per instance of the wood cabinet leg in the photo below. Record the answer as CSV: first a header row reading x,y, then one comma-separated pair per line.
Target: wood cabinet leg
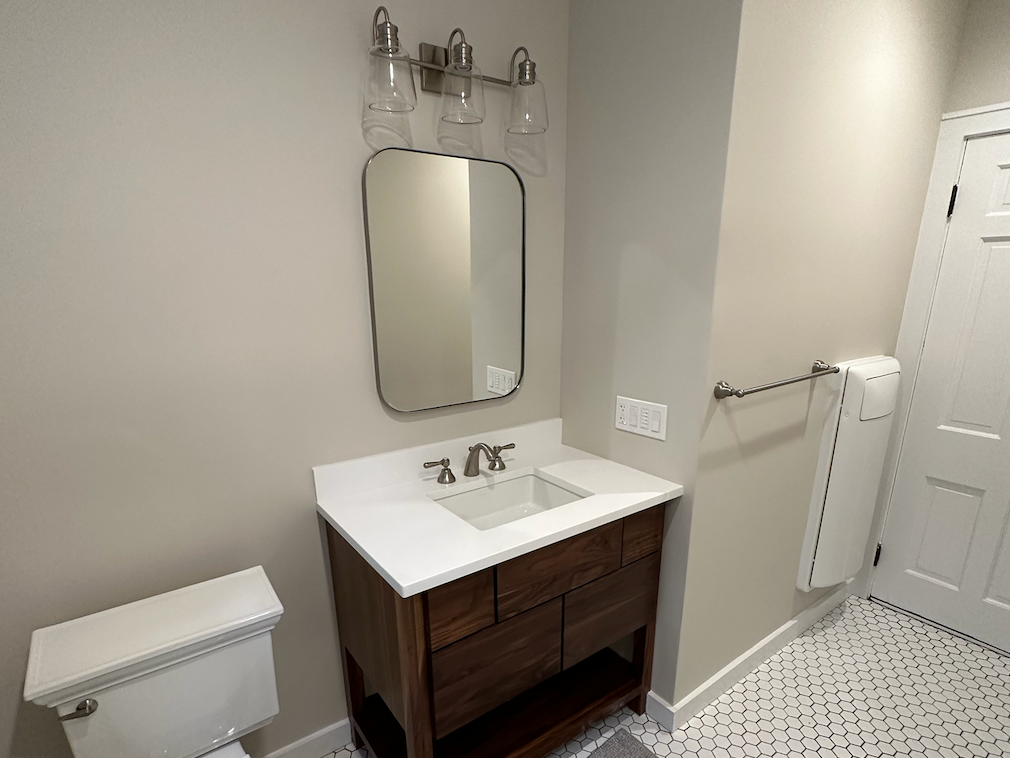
x,y
354,690
645,640
416,684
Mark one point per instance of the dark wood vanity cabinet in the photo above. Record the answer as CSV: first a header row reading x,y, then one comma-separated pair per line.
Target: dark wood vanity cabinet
x,y
508,662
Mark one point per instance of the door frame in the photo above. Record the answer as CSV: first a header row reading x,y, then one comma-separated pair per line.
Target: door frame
x,y
956,129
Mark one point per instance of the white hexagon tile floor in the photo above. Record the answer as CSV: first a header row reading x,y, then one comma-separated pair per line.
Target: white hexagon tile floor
x,y
864,682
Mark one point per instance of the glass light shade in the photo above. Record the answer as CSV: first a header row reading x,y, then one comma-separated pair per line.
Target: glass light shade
x,y
390,85
462,95
528,114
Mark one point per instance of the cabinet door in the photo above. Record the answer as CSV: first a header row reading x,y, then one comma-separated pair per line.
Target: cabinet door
x,y
460,608
551,571
476,674
643,534
604,611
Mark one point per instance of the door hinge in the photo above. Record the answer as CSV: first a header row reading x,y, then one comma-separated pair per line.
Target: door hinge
x,y
876,555
953,199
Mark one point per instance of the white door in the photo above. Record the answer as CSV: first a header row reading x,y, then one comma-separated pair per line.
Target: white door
x,y
946,545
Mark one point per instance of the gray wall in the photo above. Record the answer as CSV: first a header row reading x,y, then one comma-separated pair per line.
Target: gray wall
x,y
650,87
835,116
184,322
982,74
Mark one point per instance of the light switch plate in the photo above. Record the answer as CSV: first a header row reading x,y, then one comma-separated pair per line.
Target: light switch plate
x,y
500,381
641,417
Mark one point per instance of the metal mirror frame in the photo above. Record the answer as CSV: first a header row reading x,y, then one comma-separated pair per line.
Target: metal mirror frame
x,y
371,287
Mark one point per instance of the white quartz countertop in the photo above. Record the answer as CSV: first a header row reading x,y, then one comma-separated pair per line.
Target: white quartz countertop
x,y
381,505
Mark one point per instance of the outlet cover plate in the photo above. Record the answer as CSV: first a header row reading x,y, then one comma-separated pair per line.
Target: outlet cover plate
x,y
500,381
640,417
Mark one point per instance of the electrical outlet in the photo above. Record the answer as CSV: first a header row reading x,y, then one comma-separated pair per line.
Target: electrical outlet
x,y
622,414
641,417
500,381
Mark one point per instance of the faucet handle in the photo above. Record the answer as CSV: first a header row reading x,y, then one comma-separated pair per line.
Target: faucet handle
x,y
497,464
445,475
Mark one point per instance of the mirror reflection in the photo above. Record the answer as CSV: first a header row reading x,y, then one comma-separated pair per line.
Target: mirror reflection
x,y
446,265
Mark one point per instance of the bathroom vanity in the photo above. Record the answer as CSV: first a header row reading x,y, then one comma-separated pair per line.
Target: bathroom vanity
x,y
477,618
498,611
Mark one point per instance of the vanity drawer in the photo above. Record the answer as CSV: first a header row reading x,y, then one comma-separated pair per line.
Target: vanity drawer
x,y
643,534
551,571
481,672
460,608
604,611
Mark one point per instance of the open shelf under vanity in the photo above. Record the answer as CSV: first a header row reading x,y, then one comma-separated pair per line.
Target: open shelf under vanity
x,y
530,725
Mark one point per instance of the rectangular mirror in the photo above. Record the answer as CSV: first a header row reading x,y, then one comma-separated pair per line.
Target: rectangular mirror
x,y
447,263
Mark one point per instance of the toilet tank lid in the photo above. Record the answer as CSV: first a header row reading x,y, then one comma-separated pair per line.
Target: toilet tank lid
x,y
132,639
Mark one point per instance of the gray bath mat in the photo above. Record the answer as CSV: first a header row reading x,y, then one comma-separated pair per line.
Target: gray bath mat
x,y
622,745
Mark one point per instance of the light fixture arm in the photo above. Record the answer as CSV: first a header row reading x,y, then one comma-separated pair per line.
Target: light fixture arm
x,y
512,63
453,33
375,23
460,56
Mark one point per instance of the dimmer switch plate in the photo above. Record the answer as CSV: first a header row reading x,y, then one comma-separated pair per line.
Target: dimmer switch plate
x,y
641,417
500,381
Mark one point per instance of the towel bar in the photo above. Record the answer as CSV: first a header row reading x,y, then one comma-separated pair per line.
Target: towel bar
x,y
724,389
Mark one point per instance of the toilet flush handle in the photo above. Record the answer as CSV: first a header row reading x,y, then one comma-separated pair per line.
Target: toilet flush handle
x,y
84,708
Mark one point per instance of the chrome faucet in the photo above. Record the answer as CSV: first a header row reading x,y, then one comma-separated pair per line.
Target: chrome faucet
x,y
472,467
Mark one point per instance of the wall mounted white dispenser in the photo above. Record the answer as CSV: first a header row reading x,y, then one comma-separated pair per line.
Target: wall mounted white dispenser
x,y
849,466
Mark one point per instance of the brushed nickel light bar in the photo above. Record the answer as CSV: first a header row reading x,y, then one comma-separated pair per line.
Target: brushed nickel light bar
x,y
465,86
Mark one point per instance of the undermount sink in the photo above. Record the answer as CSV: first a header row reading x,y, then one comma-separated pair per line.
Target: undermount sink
x,y
504,500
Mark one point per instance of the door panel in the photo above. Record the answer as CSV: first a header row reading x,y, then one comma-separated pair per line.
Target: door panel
x,y
951,514
1000,201
978,397
946,552
998,590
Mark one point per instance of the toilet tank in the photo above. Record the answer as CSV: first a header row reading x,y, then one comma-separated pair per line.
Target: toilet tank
x,y
173,676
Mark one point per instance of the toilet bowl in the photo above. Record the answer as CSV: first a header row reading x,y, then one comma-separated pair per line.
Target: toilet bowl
x,y
178,675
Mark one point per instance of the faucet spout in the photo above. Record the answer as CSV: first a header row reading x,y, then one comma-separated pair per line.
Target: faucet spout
x,y
472,467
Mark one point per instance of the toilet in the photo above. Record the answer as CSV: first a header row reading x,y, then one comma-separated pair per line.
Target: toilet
x,y
178,675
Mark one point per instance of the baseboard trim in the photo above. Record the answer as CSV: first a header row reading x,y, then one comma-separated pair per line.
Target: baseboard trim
x,y
672,717
319,744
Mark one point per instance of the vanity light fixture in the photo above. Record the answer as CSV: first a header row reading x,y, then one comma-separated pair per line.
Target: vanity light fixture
x,y
390,86
528,114
450,71
462,85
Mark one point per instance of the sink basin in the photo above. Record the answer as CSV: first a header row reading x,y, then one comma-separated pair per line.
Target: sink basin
x,y
503,501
